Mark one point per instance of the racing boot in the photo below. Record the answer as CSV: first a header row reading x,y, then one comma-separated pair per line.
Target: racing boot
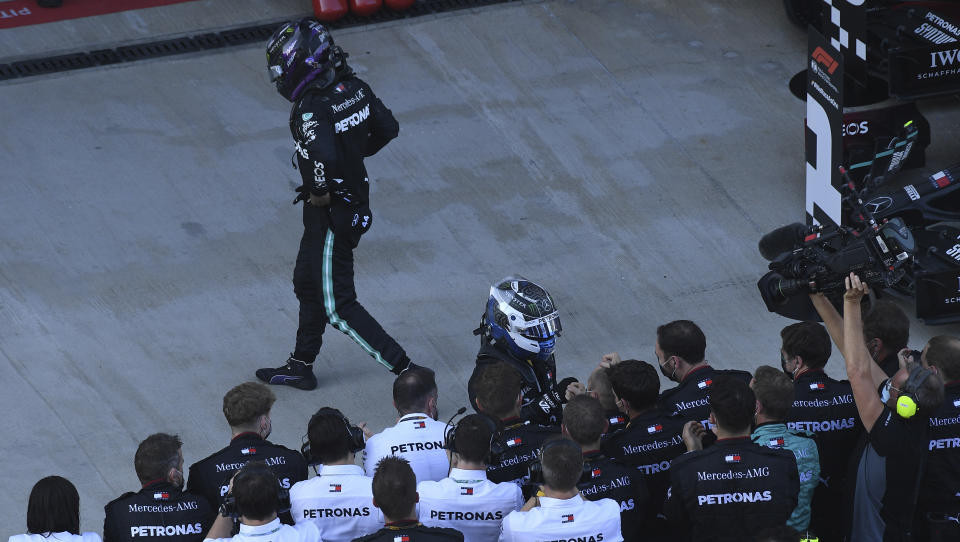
x,y
296,373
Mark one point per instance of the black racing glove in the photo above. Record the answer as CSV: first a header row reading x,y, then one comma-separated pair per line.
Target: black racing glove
x,y
303,194
562,388
553,400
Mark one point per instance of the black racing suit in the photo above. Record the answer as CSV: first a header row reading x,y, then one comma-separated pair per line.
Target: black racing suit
x,y
210,477
334,129
731,490
158,512
825,407
542,398
611,479
412,531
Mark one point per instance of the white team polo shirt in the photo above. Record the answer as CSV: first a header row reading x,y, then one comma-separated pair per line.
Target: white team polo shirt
x,y
565,519
418,438
339,501
468,502
55,537
273,532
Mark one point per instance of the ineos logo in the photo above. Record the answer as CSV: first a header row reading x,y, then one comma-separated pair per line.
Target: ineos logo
x,y
856,128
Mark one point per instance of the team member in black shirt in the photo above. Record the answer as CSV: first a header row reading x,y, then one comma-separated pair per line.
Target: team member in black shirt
x,y
160,510
651,440
584,422
247,409
939,504
886,329
499,395
895,423
598,385
395,494
825,407
681,349
734,488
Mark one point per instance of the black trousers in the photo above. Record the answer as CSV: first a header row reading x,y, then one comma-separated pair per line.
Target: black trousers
x,y
323,283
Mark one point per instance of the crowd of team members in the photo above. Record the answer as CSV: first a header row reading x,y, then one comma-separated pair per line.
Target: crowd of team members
x,y
781,454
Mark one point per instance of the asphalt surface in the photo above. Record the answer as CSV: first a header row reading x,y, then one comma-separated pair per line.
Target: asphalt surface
x,y
627,155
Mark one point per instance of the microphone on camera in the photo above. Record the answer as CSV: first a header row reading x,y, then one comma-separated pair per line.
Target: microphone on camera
x,y
783,239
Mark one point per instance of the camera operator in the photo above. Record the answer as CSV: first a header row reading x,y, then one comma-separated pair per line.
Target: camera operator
x,y
520,327
894,450
825,407
651,440
734,488
584,422
417,436
561,513
499,395
598,384
247,410
680,350
886,330
938,517
774,393
160,510
466,500
338,499
395,494
255,497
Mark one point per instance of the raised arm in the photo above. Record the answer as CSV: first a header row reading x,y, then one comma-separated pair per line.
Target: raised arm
x,y
834,324
856,356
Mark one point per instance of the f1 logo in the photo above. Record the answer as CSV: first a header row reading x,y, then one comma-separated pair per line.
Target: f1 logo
x,y
824,58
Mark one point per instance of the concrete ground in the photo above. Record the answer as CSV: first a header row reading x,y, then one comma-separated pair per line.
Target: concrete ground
x,y
625,154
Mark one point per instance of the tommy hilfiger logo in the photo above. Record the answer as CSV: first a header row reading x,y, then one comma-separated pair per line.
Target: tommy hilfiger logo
x,y
732,458
466,491
654,429
567,518
336,488
775,443
705,383
419,425
248,451
617,420
401,538
956,403
817,386
161,496
516,441
595,473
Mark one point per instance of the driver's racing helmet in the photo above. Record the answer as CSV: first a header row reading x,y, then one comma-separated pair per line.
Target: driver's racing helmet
x,y
522,318
300,52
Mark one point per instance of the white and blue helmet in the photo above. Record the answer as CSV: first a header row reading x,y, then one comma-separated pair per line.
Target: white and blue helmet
x,y
523,318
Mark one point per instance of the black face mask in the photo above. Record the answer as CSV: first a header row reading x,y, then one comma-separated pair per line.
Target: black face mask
x,y
783,365
663,370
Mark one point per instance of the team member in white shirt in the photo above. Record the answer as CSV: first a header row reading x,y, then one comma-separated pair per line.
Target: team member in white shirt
x,y
466,500
53,513
418,436
255,497
339,500
561,513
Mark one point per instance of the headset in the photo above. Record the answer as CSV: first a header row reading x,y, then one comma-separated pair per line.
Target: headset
x,y
229,506
355,439
535,469
907,401
496,447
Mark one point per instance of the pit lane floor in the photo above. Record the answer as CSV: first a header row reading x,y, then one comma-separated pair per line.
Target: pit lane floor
x,y
627,155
